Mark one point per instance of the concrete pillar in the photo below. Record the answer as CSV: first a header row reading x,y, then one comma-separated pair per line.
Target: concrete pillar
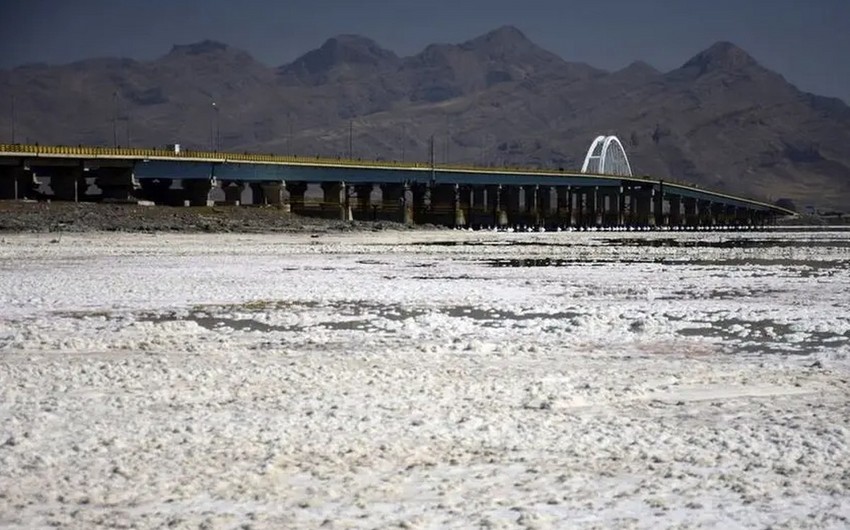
x,y
67,183
512,205
394,204
115,183
296,191
706,217
658,206
196,192
159,191
562,209
643,203
463,203
16,183
675,215
495,205
232,192
445,206
547,216
272,192
479,213
597,207
691,213
362,208
335,203
621,206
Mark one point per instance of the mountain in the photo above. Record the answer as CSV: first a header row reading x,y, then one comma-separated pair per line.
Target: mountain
x,y
720,120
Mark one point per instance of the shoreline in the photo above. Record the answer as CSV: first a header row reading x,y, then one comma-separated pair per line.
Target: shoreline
x,y
86,217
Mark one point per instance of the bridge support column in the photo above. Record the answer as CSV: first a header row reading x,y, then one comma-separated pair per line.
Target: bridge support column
x,y
691,214
547,215
479,215
675,216
597,207
706,217
532,205
115,183
445,205
363,209
335,204
512,204
296,190
396,203
232,192
658,217
273,192
16,183
495,204
196,192
462,205
643,207
562,209
68,183
159,191
621,206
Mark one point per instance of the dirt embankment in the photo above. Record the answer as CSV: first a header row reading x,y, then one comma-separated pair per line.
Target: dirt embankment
x,y
18,216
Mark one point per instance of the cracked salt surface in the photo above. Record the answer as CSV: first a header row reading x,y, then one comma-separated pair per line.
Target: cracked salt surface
x,y
370,380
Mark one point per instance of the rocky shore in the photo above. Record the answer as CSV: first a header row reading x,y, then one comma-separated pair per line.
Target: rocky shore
x,y
24,216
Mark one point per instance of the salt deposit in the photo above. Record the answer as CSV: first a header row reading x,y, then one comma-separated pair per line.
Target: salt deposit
x,y
427,379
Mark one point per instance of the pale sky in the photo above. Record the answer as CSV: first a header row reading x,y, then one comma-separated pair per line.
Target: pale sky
x,y
806,41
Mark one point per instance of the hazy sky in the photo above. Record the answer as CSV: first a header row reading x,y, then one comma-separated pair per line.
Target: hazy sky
x,y
807,41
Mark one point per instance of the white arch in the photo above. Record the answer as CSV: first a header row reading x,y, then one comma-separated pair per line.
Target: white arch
x,y
601,159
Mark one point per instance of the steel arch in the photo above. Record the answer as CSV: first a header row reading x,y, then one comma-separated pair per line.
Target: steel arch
x,y
607,156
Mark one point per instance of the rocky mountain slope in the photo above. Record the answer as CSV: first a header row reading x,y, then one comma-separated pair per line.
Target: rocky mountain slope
x,y
720,120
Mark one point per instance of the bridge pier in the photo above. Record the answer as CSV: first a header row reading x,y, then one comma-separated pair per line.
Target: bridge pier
x,y
511,202
362,208
675,215
547,216
643,211
296,191
396,203
67,183
232,192
196,192
497,215
478,213
115,183
336,203
16,183
445,206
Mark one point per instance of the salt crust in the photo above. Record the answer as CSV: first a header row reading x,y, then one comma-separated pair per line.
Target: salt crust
x,y
446,379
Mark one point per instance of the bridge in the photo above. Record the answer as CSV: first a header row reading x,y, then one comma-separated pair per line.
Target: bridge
x,y
603,194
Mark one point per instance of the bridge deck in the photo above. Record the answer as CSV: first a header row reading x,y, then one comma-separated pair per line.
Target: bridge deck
x,y
163,163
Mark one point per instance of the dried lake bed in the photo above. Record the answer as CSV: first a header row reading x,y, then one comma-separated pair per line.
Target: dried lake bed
x,y
425,379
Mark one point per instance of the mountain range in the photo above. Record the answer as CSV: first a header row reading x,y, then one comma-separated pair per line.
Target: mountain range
x,y
721,120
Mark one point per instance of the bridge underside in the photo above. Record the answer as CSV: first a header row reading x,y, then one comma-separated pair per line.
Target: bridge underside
x,y
448,197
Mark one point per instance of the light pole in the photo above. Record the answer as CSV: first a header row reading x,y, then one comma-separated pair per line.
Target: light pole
x,y
115,119
13,118
217,141
403,140
351,139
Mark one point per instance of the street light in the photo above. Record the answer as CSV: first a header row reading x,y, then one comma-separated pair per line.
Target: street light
x,y
216,141
115,119
13,118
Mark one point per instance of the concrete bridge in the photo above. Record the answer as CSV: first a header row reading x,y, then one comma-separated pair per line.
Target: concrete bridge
x,y
603,194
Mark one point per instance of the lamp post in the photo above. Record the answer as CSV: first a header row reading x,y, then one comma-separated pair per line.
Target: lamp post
x,y
217,138
351,139
115,119
13,118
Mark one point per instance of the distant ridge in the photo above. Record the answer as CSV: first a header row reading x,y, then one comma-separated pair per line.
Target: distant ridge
x,y
720,120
